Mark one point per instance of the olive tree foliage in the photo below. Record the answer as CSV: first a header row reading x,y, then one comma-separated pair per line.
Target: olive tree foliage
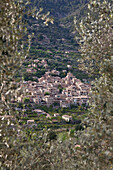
x,y
49,156
14,47
11,56
95,37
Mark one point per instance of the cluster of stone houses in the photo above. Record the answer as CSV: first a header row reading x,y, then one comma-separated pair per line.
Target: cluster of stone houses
x,y
47,92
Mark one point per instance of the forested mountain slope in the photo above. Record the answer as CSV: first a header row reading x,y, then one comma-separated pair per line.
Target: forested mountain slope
x,y
57,37
63,12
60,8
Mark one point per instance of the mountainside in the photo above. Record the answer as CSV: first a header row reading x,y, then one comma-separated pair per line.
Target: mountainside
x,y
55,43
63,12
60,8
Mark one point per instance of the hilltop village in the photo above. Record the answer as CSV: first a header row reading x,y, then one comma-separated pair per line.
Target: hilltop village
x,y
56,91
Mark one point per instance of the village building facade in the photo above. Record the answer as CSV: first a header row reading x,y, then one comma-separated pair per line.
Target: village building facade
x,y
46,91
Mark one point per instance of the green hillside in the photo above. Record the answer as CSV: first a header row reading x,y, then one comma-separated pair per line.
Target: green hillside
x,y
58,38
63,12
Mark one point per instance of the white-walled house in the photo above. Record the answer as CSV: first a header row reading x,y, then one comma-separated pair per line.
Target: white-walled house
x,y
30,121
67,118
56,114
80,100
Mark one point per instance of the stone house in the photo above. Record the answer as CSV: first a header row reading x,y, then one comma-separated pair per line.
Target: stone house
x,y
49,100
56,114
64,103
30,121
67,118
